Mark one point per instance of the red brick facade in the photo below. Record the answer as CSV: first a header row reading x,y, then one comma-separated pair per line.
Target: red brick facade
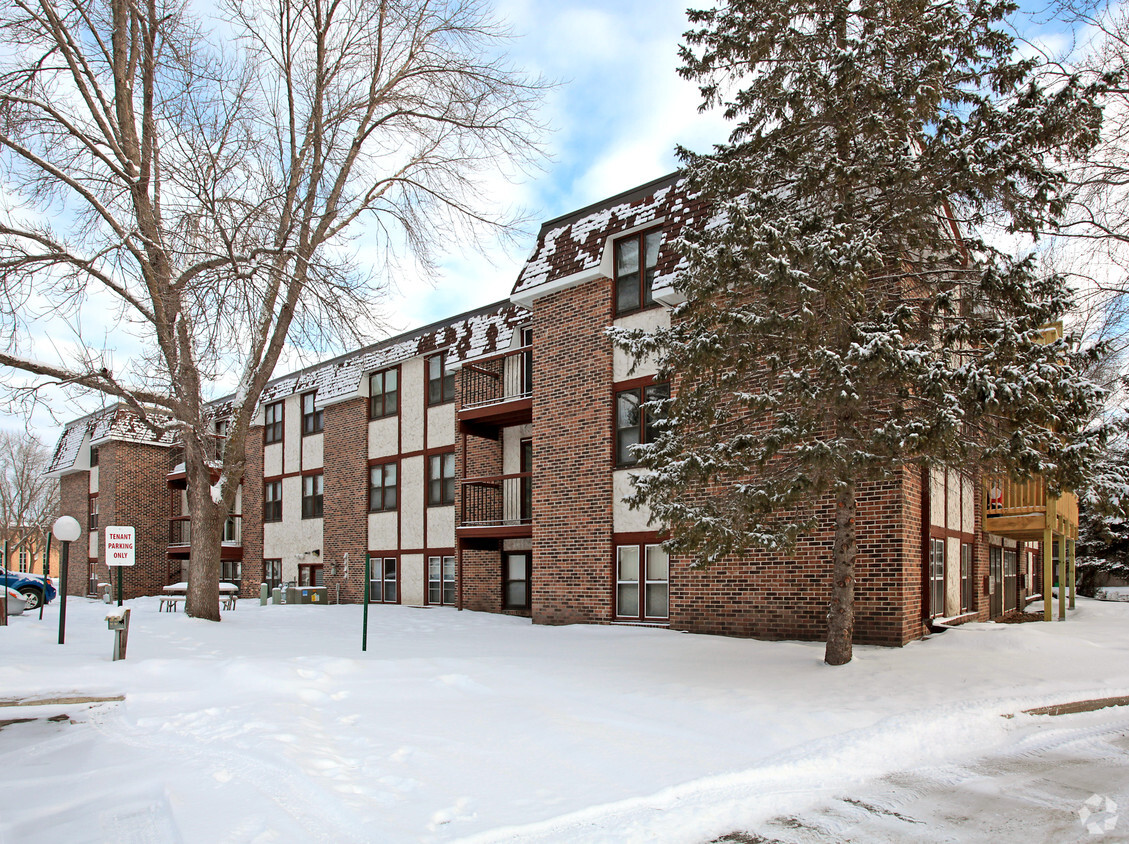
x,y
345,522
133,490
571,412
572,456
74,494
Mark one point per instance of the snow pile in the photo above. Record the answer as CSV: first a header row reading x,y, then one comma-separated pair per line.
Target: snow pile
x,y
1112,593
274,726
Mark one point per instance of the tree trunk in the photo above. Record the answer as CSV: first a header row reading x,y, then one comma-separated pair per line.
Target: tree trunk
x,y
841,611
207,540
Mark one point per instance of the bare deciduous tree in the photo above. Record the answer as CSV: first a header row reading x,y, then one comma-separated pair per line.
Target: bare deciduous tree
x,y
29,500
203,190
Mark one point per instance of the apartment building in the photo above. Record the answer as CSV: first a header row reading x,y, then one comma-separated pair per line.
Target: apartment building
x,y
481,463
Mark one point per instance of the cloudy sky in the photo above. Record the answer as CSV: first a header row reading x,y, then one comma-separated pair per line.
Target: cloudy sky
x,y
614,116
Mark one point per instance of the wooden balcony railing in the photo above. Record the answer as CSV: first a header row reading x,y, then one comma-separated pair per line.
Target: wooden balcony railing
x,y
1021,508
499,501
498,378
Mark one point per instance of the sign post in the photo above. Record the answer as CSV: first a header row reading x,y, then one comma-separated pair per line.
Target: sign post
x,y
121,551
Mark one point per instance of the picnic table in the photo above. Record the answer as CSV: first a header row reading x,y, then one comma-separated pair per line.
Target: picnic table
x,y
172,595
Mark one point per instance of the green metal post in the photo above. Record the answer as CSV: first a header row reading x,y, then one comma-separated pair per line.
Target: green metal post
x,y
120,585
63,559
46,572
368,580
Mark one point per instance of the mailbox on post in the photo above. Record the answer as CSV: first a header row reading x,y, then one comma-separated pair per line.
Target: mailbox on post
x,y
119,623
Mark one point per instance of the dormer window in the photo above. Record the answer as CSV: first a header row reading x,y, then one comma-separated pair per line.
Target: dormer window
x,y
636,257
313,418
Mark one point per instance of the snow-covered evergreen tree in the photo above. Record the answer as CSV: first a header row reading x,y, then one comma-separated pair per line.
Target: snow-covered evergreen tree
x,y
1103,513
846,316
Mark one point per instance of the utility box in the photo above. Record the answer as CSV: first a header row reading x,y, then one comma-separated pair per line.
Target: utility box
x,y
306,595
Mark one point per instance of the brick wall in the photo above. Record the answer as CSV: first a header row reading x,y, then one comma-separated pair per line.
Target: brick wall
x,y
74,491
252,568
345,503
572,456
133,491
773,596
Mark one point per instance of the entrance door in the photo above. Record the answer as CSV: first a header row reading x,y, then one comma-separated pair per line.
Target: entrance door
x,y
1011,586
995,581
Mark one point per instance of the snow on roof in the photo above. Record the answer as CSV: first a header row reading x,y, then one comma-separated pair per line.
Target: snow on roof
x,y
114,423
466,336
575,243
66,450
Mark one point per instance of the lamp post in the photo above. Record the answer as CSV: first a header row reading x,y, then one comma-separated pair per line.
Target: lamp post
x,y
66,529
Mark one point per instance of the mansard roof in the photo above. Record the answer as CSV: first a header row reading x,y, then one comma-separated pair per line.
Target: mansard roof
x,y
118,422
572,249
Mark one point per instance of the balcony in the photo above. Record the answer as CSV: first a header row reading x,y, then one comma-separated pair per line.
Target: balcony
x,y
1023,511
496,391
180,537
496,507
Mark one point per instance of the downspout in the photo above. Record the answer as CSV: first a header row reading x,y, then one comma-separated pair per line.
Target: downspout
x,y
926,505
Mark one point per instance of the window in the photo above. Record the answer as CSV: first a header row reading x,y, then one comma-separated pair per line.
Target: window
x,y
384,393
313,488
231,571
23,560
515,588
92,520
441,580
527,362
272,573
272,501
527,482
642,588
382,487
382,586
441,478
311,574
220,439
634,424
936,577
272,423
440,380
966,577
93,456
313,419
635,260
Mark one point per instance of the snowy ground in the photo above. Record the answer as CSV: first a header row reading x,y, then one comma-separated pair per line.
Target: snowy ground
x,y
273,726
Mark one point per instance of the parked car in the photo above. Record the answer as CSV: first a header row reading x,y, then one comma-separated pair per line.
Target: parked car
x,y
17,603
34,589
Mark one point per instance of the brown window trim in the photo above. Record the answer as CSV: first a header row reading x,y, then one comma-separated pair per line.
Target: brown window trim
x,y
315,418
381,464
385,413
311,569
646,300
376,558
454,479
528,581
316,507
278,426
271,582
640,386
446,379
441,556
276,503
640,541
